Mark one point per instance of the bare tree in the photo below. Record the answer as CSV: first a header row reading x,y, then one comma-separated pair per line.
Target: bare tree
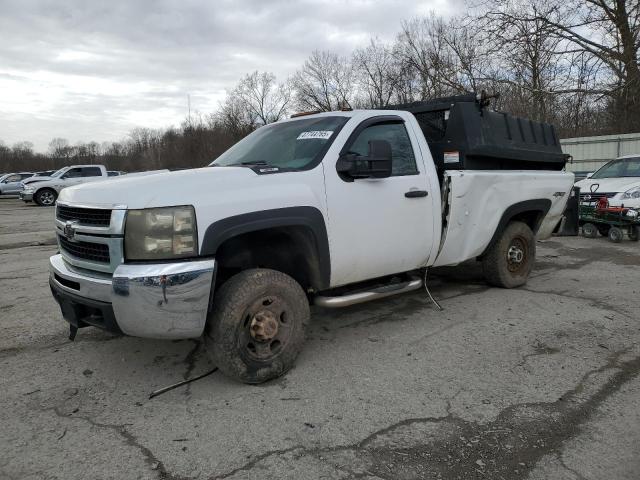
x,y
604,31
529,71
378,74
264,100
234,116
324,83
59,147
446,57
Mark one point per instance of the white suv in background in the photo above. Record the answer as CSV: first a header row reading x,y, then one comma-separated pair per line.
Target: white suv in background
x,y
618,181
46,191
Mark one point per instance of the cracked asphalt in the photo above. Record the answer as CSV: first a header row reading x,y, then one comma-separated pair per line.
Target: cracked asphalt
x,y
540,382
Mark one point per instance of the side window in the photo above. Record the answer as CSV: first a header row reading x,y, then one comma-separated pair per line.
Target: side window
x,y
13,178
26,175
73,173
403,161
91,172
633,168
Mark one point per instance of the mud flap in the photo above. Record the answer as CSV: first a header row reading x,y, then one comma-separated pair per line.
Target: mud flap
x,y
570,225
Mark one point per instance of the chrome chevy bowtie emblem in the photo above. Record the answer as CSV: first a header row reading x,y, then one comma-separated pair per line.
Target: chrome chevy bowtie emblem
x,y
69,230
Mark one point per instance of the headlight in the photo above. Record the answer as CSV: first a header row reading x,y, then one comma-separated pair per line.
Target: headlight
x,y
28,189
160,233
631,193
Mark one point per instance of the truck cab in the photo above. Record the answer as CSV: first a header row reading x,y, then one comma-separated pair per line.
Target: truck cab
x,y
329,209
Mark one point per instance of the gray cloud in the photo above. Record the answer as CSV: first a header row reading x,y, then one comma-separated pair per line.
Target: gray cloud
x,y
94,70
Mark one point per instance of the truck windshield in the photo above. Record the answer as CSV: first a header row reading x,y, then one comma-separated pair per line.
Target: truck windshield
x,y
624,167
57,173
288,146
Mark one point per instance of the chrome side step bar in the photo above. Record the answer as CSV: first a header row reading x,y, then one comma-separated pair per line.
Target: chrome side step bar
x,y
361,297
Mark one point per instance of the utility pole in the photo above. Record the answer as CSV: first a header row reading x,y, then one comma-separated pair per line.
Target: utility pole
x,y
189,108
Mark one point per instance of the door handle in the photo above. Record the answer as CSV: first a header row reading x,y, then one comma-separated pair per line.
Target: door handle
x,y
416,193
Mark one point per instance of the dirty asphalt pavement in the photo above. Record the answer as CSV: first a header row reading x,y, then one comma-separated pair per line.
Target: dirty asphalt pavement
x,y
540,382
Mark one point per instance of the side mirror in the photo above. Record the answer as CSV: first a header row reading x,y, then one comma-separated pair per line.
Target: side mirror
x,y
375,165
589,175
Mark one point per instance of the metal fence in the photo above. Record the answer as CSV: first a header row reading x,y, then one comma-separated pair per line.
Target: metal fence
x,y
590,153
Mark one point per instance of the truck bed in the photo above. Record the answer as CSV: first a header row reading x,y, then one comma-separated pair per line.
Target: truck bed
x,y
474,202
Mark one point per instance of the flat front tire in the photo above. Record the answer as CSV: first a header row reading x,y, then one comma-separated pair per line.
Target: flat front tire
x,y
510,260
257,325
46,197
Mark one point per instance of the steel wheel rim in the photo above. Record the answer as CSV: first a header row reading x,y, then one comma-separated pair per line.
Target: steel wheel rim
x,y
259,341
517,254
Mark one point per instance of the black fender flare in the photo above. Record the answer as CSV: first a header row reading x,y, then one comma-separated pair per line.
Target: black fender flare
x,y
222,230
541,205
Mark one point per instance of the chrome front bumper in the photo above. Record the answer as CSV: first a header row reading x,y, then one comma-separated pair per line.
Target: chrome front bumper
x,y
166,300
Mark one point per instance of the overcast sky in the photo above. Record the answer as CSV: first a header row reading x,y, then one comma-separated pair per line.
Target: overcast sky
x,y
93,70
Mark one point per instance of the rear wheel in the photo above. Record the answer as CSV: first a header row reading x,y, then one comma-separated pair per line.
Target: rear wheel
x,y
510,260
615,234
589,230
256,328
46,197
634,233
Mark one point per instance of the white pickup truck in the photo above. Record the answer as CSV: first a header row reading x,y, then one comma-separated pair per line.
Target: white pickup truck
x,y
329,209
45,190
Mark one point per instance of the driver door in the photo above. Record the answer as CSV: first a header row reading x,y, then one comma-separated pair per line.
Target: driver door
x,y
379,226
73,176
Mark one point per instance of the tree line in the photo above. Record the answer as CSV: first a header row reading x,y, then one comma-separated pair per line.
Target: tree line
x,y
572,63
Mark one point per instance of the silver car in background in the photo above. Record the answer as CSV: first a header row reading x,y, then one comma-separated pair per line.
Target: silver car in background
x,y
10,184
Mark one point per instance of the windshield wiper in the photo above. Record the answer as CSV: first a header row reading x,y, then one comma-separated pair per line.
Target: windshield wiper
x,y
252,163
256,162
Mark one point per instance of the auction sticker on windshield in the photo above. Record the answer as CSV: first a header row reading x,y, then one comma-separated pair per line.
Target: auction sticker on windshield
x,y
322,134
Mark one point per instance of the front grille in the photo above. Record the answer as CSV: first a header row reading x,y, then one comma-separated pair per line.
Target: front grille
x,y
84,216
95,252
595,196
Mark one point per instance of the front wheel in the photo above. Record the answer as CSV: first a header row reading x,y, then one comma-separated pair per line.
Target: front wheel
x,y
46,197
256,328
510,260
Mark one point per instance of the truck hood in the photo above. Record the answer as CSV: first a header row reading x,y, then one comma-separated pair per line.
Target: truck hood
x,y
183,187
29,180
613,185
